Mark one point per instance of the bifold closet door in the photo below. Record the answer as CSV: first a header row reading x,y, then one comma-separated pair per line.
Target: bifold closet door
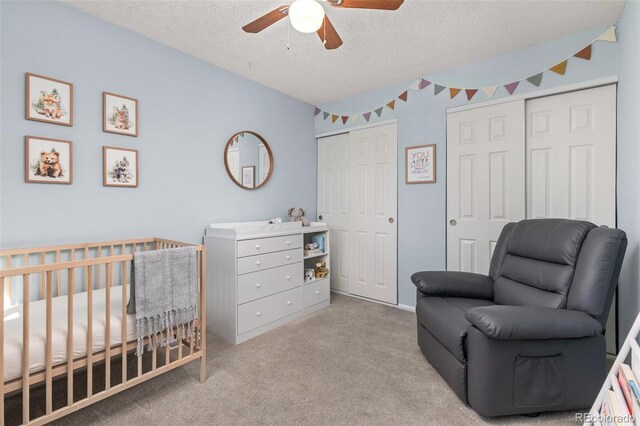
x,y
485,181
357,198
333,204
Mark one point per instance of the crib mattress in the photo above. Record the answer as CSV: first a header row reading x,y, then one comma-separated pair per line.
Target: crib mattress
x,y
37,330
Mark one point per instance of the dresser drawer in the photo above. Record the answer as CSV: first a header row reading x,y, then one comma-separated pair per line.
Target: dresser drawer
x,y
265,283
263,311
268,245
271,260
316,292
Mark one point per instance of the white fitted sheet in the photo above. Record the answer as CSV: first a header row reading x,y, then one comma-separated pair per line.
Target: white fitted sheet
x,y
37,329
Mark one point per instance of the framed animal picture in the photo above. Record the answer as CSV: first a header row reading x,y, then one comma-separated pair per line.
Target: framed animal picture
x,y
120,167
49,100
120,114
420,164
48,160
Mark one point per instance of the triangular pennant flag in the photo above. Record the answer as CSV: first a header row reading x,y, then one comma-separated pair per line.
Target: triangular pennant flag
x,y
392,104
584,53
609,35
325,114
403,96
560,68
453,92
471,93
437,89
379,111
333,118
366,116
535,79
490,91
424,83
317,111
415,85
511,87
344,119
354,118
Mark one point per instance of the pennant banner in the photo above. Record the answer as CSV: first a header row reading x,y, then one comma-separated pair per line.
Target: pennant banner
x,y
421,83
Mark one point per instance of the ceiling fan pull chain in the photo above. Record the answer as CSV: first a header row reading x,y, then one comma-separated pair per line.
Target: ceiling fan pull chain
x,y
289,35
324,28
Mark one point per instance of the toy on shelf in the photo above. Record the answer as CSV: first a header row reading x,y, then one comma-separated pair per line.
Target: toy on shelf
x,y
321,269
311,249
309,275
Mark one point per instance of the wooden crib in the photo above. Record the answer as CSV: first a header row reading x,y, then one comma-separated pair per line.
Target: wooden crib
x,y
88,285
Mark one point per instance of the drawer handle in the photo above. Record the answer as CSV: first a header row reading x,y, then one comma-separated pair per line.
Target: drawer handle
x,y
288,302
258,262
288,257
258,313
257,246
288,277
317,291
258,285
288,243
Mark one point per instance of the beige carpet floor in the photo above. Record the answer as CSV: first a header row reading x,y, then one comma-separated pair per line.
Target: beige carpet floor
x,y
354,363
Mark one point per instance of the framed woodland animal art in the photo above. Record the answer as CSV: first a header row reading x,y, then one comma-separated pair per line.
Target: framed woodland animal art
x,y
48,160
120,167
49,100
119,114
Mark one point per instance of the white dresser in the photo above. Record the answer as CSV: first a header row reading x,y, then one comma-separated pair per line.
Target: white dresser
x,y
255,276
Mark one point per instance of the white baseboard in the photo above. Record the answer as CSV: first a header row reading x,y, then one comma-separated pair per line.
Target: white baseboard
x,y
403,307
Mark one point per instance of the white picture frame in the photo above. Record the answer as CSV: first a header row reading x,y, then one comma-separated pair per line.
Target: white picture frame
x,y
249,176
420,164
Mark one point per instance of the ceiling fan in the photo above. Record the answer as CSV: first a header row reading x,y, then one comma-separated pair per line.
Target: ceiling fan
x,y
308,16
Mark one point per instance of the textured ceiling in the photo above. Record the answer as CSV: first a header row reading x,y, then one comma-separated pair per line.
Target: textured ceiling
x,y
380,47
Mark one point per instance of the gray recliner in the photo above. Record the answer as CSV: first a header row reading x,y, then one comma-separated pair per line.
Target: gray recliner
x,y
529,337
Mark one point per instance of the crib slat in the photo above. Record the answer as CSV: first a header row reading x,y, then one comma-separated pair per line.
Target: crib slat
x,y
123,333
2,354
7,283
58,275
168,332
179,339
89,285
107,333
154,353
47,356
99,273
86,277
42,284
25,349
71,279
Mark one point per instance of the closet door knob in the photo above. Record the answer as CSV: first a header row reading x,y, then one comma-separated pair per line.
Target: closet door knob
x,y
288,302
257,246
258,313
453,222
258,262
258,285
320,217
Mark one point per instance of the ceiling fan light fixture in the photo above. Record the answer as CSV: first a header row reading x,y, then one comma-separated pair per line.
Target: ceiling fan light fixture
x,y
306,15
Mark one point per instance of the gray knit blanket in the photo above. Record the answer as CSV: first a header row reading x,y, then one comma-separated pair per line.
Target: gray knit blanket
x,y
163,294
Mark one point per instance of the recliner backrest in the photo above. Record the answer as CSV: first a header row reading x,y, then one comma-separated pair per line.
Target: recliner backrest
x,y
535,261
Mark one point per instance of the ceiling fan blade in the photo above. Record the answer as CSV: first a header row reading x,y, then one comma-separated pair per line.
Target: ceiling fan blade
x,y
371,4
328,35
266,20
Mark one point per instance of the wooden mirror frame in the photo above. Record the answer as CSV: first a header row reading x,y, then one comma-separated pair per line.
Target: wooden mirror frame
x,y
268,148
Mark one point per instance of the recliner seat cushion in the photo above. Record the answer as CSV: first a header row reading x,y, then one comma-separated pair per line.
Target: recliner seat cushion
x,y
444,318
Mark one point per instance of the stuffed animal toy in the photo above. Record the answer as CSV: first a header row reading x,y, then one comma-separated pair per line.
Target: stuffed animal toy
x,y
309,274
310,246
321,270
297,215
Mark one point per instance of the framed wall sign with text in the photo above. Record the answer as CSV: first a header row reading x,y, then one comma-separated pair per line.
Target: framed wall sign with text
x,y
420,163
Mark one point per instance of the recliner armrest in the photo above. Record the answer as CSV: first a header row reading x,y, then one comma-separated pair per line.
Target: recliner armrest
x,y
532,323
454,284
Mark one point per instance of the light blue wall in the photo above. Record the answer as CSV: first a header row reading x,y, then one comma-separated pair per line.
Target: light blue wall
x,y
188,110
422,120
628,161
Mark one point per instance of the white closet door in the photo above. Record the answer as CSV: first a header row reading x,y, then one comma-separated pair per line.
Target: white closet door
x,y
374,186
333,203
485,181
571,153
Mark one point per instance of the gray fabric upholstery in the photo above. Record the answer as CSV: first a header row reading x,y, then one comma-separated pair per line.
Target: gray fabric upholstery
x,y
457,284
529,323
529,337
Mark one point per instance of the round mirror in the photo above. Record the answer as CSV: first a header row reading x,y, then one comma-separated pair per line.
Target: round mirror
x,y
248,159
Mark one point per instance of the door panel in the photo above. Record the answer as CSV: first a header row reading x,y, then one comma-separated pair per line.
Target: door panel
x,y
485,181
